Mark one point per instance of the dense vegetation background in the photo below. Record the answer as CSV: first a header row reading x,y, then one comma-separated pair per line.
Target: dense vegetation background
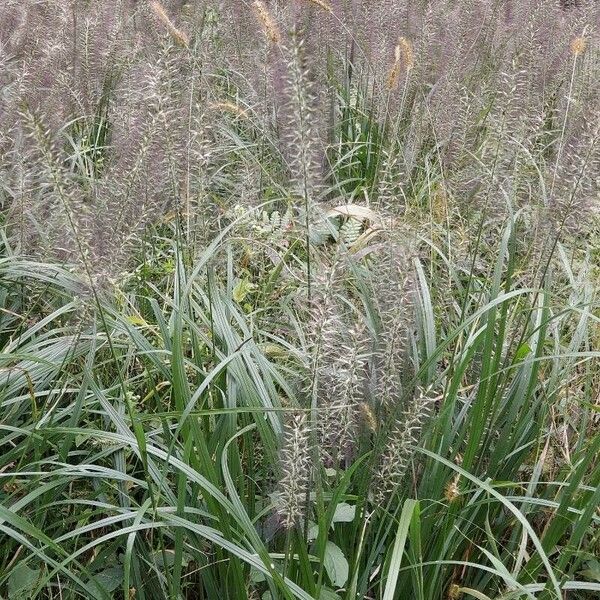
x,y
298,299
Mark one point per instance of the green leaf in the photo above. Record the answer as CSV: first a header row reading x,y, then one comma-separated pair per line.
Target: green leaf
x,y
242,289
256,576
21,582
168,559
313,531
396,559
336,565
344,513
109,579
592,571
328,594
522,352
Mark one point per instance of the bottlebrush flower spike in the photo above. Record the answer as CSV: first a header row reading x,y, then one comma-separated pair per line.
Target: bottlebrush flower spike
x,y
295,465
179,37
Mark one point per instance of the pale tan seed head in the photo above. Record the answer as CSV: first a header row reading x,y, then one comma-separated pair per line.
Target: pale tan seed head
x,y
267,22
452,491
393,76
578,46
403,59
179,37
230,107
321,3
368,416
406,53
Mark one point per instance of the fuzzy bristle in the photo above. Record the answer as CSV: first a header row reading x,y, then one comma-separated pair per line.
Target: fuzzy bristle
x,y
578,46
267,22
295,466
179,37
398,451
322,4
403,60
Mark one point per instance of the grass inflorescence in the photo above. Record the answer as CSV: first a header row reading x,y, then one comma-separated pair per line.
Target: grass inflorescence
x,y
299,300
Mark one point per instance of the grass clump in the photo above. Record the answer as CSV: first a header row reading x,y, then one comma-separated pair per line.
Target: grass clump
x,y
299,300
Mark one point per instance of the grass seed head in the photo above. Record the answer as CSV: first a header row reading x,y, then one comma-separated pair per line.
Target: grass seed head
x,y
368,416
230,107
452,491
295,469
578,46
404,435
267,22
179,37
322,4
403,59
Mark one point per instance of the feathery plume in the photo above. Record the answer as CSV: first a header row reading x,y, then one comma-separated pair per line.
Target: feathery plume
x,y
454,592
324,5
232,108
393,291
295,470
452,491
398,449
368,416
342,380
179,37
403,59
339,367
268,22
578,46
304,137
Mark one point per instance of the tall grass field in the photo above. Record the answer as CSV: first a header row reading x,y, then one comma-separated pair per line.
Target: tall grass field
x,y
299,299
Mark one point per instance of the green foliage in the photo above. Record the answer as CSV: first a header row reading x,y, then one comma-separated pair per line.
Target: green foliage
x,y
174,478
428,364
